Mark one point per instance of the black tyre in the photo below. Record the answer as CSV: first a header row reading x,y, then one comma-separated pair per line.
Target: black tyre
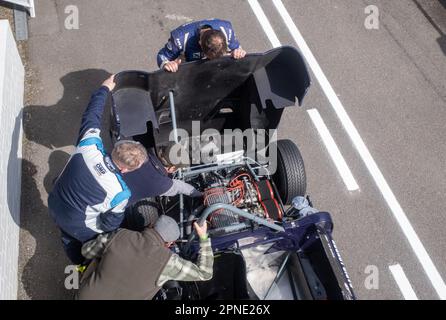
x,y
290,177
142,214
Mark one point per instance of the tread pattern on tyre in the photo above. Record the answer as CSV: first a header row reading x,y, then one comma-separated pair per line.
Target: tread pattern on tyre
x,y
290,177
143,214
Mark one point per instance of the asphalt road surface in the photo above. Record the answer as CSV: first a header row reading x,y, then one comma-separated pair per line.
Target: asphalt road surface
x,y
378,93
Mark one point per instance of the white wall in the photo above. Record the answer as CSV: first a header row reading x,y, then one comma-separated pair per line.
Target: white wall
x,y
11,104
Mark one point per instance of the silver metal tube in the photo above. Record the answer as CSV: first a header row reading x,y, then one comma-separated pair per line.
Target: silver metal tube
x,y
175,132
189,224
213,167
196,170
240,212
231,228
181,200
181,215
173,115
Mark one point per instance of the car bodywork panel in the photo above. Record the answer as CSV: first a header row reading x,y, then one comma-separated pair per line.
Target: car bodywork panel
x,y
254,89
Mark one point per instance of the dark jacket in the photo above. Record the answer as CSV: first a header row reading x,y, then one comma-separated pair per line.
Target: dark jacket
x,y
90,195
129,268
148,181
185,39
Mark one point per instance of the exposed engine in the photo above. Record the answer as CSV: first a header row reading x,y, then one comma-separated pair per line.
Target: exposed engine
x,y
239,188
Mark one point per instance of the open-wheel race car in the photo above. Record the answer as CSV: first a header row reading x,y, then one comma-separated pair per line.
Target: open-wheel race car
x,y
265,245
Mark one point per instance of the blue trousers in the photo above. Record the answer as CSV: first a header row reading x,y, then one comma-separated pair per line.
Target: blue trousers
x,y
72,247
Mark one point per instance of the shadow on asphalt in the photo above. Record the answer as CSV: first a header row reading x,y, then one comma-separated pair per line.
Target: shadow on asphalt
x,y
12,187
57,126
53,127
442,39
43,274
442,43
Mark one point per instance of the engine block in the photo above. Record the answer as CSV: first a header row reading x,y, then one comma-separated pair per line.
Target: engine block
x,y
241,190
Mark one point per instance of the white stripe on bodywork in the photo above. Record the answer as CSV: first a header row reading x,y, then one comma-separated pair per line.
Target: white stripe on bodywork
x,y
224,32
108,181
91,217
186,37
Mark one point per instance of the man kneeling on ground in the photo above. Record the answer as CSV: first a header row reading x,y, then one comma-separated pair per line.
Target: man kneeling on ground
x,y
134,265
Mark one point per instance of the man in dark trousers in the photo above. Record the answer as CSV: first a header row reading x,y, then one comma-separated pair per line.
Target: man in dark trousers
x,y
132,265
209,39
90,195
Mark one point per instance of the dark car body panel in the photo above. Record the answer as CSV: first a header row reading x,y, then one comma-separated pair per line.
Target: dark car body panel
x,y
256,88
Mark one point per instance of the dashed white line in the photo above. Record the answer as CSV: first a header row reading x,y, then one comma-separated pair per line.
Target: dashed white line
x,y
414,241
333,150
328,140
402,282
264,22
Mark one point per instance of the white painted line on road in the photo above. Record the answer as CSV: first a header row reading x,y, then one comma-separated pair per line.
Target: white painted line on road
x,y
328,140
402,282
333,150
414,241
264,22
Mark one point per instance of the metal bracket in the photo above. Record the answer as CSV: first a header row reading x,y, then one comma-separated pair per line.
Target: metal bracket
x,y
28,4
21,24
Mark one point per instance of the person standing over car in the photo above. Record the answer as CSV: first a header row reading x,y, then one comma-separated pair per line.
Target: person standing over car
x,y
134,265
209,39
90,195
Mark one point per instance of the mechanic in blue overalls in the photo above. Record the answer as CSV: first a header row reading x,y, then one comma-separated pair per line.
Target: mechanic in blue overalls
x,y
197,40
90,195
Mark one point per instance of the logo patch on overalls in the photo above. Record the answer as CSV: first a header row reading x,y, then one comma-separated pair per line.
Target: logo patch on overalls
x,y
100,169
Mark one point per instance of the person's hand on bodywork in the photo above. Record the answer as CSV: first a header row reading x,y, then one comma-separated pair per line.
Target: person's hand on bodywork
x,y
172,66
110,82
202,231
238,53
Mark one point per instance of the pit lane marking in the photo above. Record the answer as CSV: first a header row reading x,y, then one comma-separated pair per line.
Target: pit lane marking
x,y
402,282
333,150
264,22
327,138
387,193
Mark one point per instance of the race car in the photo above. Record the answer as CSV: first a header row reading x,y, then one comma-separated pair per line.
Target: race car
x,y
265,245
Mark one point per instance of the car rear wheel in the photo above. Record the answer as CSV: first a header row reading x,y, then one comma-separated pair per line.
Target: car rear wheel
x,y
290,177
142,214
